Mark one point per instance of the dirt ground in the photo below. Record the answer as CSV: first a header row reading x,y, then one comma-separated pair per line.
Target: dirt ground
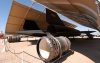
x,y
85,51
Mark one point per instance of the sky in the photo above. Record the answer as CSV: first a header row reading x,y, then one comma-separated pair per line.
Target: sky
x,y
5,9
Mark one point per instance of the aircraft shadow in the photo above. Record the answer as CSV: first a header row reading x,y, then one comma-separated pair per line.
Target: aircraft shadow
x,y
70,52
88,48
16,41
33,42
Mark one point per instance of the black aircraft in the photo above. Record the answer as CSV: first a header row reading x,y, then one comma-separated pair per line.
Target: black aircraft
x,y
56,27
53,31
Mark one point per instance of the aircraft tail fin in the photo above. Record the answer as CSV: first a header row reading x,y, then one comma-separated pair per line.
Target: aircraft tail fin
x,y
53,18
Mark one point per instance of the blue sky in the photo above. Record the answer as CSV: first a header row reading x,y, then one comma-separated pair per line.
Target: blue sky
x,y
5,8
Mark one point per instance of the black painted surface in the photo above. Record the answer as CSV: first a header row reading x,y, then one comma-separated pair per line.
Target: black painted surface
x,y
53,18
30,25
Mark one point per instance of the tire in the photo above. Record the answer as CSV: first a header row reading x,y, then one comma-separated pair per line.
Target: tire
x,y
9,39
18,38
14,39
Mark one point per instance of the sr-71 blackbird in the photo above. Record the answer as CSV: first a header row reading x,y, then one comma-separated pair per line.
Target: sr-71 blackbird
x,y
48,25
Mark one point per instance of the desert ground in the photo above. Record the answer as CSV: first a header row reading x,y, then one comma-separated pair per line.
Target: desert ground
x,y
85,51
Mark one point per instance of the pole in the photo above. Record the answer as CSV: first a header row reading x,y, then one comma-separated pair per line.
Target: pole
x,y
23,57
4,43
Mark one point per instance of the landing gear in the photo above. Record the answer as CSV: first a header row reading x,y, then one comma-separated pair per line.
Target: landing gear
x,y
90,37
14,38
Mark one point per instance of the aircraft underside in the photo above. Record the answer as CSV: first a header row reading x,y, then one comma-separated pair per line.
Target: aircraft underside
x,y
53,31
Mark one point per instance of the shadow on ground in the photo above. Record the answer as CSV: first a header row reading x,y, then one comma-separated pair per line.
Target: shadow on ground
x,y
70,52
33,42
89,48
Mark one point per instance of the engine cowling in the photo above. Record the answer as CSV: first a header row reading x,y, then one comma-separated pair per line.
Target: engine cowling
x,y
51,48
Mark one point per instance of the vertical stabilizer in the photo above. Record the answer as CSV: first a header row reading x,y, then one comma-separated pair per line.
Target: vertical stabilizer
x,y
53,18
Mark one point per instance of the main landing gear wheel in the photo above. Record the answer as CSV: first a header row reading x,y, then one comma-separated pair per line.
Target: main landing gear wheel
x,y
14,39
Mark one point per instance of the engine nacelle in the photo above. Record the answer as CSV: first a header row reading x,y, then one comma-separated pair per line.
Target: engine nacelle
x,y
51,48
